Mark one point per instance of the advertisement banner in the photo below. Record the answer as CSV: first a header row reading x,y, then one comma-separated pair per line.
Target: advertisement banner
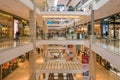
x,y
85,59
85,67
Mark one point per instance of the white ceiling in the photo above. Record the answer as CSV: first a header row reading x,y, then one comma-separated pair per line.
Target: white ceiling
x,y
16,8
110,8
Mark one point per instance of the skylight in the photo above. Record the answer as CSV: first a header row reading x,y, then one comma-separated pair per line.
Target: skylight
x,y
55,3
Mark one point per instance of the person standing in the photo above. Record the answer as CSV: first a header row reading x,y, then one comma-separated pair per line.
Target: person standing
x,y
38,50
17,35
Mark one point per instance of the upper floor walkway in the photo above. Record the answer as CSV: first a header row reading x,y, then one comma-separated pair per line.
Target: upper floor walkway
x,y
108,49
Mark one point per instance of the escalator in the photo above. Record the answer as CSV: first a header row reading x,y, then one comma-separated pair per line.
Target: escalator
x,y
60,76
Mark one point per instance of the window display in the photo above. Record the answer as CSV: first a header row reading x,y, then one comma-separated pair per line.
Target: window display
x,y
97,30
6,21
9,67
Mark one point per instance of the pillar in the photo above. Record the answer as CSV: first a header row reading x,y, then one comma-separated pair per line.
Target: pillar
x,y
74,50
92,64
44,51
0,72
32,54
45,29
44,26
92,57
37,76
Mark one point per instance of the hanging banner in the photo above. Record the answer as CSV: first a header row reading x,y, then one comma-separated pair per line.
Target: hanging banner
x,y
85,67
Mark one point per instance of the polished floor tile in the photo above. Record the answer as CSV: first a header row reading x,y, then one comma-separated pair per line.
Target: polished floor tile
x,y
22,73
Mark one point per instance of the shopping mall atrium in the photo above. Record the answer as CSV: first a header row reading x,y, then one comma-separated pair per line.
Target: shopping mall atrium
x,y
59,39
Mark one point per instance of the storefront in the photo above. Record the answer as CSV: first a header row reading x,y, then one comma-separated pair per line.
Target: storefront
x,y
6,25
9,67
107,65
97,29
103,62
114,29
82,29
10,24
24,28
38,31
21,26
111,27
114,70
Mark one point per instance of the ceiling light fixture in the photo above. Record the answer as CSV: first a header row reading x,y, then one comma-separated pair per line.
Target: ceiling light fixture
x,y
49,16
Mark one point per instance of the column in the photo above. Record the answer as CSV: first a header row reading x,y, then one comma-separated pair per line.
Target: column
x,y
0,72
74,50
92,57
44,52
37,76
45,30
32,54
92,64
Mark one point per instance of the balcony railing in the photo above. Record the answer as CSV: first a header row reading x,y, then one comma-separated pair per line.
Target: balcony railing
x,y
63,36
10,43
112,45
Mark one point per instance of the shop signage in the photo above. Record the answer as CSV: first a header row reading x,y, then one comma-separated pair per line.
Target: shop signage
x,y
85,67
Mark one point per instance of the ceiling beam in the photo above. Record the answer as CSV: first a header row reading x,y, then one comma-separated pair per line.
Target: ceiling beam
x,y
68,3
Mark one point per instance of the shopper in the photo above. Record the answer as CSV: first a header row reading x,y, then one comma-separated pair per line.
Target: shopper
x,y
78,52
77,35
70,8
17,35
38,50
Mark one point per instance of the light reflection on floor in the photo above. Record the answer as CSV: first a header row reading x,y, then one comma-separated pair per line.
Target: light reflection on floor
x,y
22,73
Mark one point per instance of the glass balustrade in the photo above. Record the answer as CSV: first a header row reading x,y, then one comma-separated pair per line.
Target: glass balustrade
x,y
63,36
109,44
10,43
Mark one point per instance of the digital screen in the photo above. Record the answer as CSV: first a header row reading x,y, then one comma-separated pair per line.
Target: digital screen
x,y
50,22
105,28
